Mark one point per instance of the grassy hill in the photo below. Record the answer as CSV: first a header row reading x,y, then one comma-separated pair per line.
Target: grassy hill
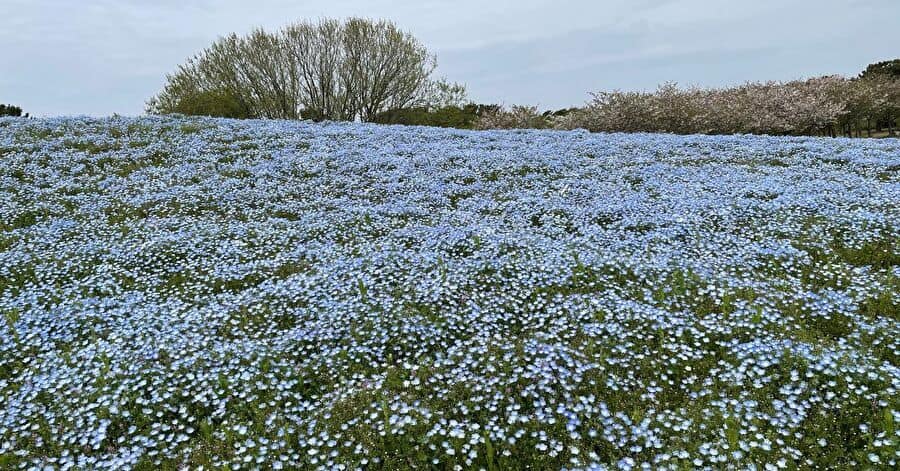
x,y
184,292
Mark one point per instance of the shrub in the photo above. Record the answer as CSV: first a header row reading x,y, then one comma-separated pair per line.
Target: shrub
x,y
462,117
513,118
219,103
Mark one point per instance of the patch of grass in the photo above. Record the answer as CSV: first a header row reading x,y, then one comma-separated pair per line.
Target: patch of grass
x,y
118,213
92,147
190,128
881,253
775,162
282,214
883,304
291,268
239,173
18,279
23,220
833,326
35,134
124,167
7,241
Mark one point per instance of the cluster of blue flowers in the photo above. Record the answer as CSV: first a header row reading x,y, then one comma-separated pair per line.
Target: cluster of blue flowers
x,y
267,294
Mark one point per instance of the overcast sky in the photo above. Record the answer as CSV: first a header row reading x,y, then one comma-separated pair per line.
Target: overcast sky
x,y
98,57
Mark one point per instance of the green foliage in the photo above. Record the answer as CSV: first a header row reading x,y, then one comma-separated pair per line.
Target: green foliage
x,y
461,117
889,68
217,103
11,110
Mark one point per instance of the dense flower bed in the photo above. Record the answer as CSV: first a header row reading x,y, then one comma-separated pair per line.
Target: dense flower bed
x,y
292,295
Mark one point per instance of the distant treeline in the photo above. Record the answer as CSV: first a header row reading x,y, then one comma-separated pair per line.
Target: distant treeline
x,y
832,106
466,116
365,70
864,106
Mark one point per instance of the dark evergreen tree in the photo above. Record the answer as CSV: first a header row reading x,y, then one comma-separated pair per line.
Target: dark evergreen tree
x,y
11,110
889,68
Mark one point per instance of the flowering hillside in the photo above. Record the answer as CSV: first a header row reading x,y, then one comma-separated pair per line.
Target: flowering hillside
x,y
269,294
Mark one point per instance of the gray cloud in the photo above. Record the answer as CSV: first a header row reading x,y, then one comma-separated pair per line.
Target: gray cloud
x,y
101,57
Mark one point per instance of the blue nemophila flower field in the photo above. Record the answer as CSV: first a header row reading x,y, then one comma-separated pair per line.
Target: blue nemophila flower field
x,y
267,294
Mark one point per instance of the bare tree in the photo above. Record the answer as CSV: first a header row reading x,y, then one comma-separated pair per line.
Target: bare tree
x,y
813,106
330,69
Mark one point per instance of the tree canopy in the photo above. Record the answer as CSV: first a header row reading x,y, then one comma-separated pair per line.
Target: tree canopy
x,y
354,69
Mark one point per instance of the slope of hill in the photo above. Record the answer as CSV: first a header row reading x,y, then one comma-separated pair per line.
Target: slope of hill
x,y
283,294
